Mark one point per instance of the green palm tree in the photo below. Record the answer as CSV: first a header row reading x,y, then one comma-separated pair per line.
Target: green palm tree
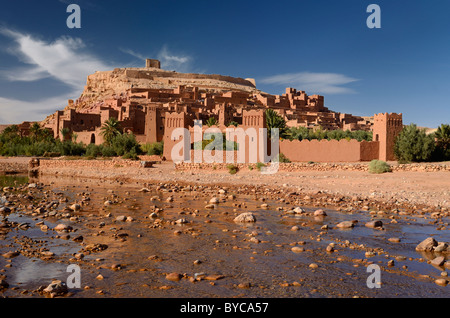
x,y
110,129
35,131
442,136
273,120
65,133
212,121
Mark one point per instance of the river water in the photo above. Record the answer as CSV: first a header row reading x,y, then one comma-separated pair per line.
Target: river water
x,y
234,260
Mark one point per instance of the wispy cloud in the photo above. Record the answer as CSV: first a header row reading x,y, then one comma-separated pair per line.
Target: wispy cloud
x,y
326,83
15,111
169,60
64,59
133,53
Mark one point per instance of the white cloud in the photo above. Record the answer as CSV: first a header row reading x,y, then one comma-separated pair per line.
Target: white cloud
x,y
171,61
15,111
63,59
133,53
324,83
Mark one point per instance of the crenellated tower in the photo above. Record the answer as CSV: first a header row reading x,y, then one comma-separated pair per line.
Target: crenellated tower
x,y
386,128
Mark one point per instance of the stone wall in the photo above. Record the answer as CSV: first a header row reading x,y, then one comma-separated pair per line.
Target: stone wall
x,y
317,166
47,164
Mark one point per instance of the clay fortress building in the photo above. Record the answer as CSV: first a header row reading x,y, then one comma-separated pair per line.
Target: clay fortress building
x,y
151,102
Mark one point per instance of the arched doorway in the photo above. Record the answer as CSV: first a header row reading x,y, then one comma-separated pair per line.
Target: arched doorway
x,y
93,139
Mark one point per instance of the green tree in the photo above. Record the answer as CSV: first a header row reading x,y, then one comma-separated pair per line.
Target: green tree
x,y
35,132
11,130
298,133
212,121
414,145
273,120
110,129
442,136
65,133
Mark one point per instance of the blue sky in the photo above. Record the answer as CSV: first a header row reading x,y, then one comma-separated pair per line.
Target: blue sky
x,y
319,46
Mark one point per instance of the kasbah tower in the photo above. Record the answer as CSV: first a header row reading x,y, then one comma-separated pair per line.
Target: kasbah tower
x,y
386,128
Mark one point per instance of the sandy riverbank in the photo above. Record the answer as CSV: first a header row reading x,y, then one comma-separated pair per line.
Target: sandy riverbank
x,y
13,165
396,189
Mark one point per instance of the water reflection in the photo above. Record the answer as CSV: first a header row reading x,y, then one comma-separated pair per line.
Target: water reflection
x,y
13,180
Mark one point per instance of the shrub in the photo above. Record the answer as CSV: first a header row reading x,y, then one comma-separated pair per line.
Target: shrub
x,y
379,166
259,165
131,155
125,143
153,149
232,169
283,159
93,150
414,145
51,154
303,133
70,148
108,152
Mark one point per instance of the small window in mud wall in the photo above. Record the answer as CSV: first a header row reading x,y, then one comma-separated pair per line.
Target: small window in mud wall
x,y
93,139
377,137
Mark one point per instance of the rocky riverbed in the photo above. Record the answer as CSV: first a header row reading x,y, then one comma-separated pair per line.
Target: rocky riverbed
x,y
177,239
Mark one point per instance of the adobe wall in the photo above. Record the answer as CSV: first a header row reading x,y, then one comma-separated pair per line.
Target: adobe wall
x,y
151,75
329,150
369,150
86,137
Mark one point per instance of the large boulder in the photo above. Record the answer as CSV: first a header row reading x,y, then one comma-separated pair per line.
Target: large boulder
x,y
427,245
245,218
374,224
345,225
56,288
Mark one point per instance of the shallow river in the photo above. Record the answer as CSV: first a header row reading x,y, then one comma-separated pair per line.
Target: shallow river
x,y
228,259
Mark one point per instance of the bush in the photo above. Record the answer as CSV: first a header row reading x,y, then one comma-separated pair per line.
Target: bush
x,y
124,144
131,155
259,165
232,169
414,145
153,149
283,159
379,166
303,133
93,150
108,152
70,148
